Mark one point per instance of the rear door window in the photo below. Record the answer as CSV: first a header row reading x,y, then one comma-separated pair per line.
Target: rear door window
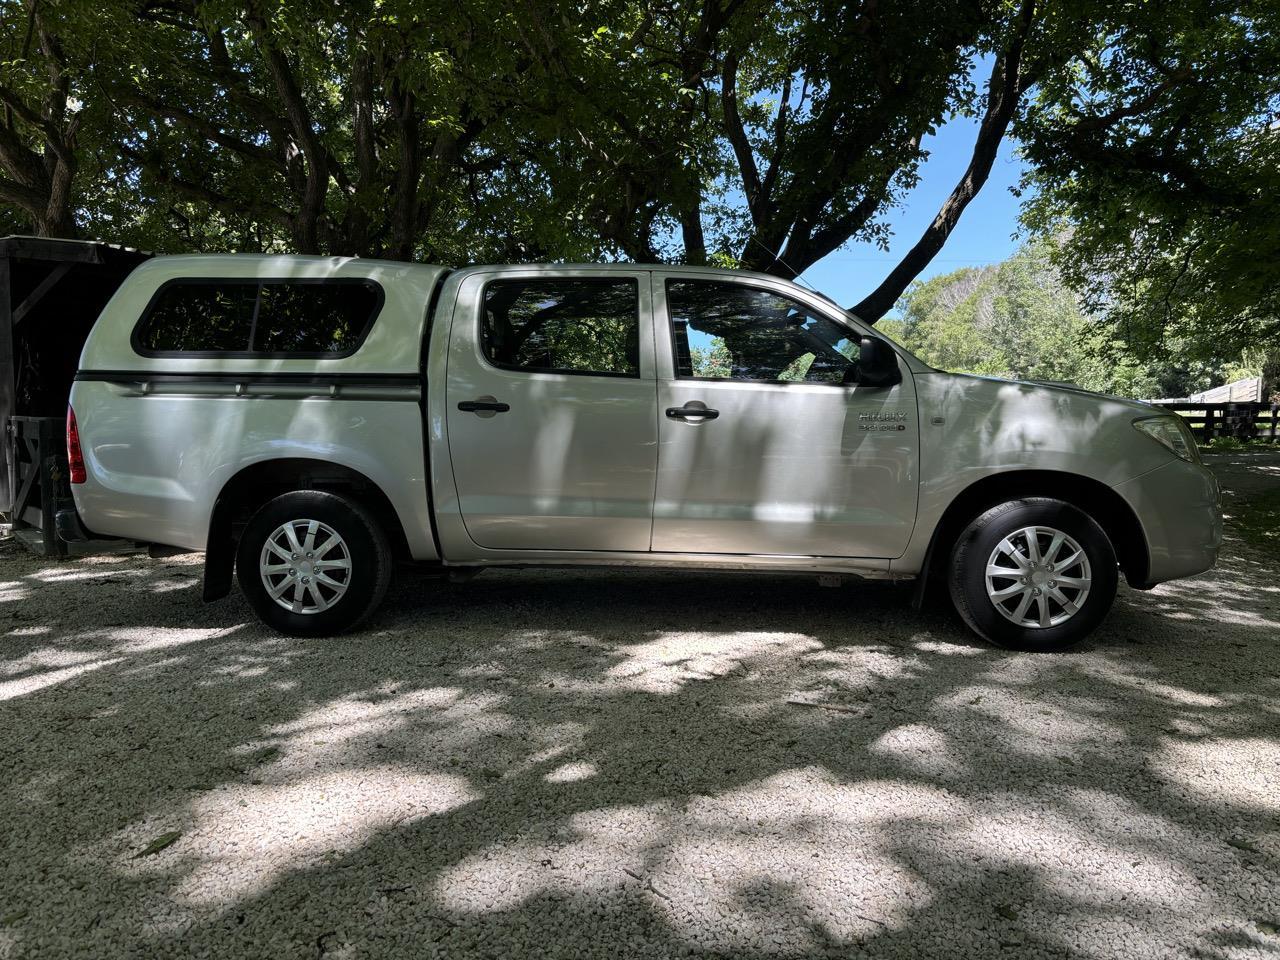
x,y
583,326
258,318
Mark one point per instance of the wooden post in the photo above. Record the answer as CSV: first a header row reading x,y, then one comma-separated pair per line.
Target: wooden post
x,y
50,481
7,396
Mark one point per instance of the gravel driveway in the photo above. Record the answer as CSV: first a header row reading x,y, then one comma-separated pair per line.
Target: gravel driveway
x,y
617,765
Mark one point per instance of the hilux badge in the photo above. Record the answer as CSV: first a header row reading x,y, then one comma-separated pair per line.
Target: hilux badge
x,y
879,422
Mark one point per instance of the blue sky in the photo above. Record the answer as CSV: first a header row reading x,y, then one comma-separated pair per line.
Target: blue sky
x,y
984,234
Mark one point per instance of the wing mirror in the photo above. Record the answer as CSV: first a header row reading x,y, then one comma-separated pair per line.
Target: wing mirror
x,y
877,364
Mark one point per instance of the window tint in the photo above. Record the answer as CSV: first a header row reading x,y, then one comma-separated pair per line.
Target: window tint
x,y
727,331
259,317
313,317
200,317
568,326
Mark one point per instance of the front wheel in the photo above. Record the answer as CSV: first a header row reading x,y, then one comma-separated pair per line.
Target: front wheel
x,y
1033,574
313,563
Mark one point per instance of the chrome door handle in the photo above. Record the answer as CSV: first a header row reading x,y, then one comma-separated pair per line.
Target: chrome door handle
x,y
687,413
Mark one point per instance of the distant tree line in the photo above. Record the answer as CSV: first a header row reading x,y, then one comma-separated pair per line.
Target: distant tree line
x,y
1019,319
762,134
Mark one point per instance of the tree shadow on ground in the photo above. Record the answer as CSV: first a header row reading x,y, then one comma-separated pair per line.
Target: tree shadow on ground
x,y
636,764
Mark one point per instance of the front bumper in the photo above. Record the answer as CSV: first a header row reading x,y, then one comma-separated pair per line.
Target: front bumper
x,y
1179,507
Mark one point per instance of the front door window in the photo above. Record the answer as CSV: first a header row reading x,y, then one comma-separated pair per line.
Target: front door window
x,y
727,331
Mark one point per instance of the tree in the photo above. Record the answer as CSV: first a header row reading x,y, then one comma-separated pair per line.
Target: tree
x,y
745,133
818,111
1156,160
714,360
41,118
321,128
1018,319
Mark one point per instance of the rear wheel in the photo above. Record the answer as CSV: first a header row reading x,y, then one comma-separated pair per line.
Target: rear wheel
x,y
313,563
1033,574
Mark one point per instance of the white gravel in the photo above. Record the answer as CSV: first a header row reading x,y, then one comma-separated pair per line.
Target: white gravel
x,y
616,765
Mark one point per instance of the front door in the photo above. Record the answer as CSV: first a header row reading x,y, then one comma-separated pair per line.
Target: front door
x,y
551,410
789,457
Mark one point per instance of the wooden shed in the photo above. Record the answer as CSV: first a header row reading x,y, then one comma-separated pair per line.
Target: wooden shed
x,y
51,291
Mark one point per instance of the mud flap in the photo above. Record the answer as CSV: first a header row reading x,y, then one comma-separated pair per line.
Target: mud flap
x,y
219,565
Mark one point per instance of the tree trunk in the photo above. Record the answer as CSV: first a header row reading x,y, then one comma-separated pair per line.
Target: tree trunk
x,y
1271,375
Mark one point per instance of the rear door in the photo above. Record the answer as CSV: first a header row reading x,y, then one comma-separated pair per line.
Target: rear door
x,y
551,409
765,448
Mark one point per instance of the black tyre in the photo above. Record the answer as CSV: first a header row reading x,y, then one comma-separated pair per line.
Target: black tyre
x,y
1033,574
313,563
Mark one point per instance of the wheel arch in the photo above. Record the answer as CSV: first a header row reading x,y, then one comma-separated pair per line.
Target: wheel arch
x,y
254,485
1107,508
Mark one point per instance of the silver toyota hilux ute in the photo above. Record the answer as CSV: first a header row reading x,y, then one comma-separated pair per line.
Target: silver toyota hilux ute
x,y
306,422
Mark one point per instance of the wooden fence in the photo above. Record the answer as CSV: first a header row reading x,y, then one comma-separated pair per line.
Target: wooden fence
x,y
1246,421
1248,390
38,476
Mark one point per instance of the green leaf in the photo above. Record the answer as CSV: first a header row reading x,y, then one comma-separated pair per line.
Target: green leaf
x,y
162,842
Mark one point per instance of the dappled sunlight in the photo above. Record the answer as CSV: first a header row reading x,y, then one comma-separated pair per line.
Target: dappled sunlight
x,y
170,586
861,667
1124,870
142,640
74,574
1199,766
820,840
31,683
351,727
45,658
13,592
949,648
265,658
922,749
240,840
1046,729
551,741
572,772
1179,696
670,661
604,764
29,632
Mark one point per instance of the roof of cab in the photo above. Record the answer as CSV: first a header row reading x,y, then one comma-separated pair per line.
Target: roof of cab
x,y
208,264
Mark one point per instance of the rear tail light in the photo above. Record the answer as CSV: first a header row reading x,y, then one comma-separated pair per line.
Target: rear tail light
x,y
75,459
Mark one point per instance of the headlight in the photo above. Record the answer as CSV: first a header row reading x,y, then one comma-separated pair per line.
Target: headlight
x,y
1171,432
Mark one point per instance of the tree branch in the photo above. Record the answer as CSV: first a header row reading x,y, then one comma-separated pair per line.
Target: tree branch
x,y
205,194
317,158
738,135
1004,91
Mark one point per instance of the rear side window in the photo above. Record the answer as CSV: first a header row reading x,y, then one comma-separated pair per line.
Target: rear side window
x,y
292,318
587,326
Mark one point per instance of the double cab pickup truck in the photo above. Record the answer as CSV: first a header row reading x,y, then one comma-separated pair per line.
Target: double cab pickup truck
x,y
309,422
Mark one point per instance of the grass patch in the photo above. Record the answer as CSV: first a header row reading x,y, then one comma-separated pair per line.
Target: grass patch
x,y
1231,444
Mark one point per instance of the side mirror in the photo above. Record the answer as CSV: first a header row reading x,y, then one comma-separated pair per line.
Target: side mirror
x,y
877,364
